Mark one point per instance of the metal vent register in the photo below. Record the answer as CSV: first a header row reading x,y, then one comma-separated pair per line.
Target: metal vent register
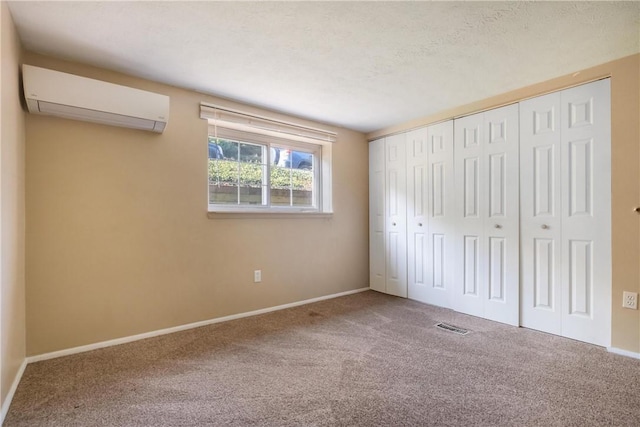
x,y
451,328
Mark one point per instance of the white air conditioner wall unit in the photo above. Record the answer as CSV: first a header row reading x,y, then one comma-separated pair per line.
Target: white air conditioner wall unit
x,y
67,95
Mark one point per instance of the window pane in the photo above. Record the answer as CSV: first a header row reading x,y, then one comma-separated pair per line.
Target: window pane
x,y
215,149
293,159
227,194
223,181
280,186
251,184
274,156
302,160
251,153
229,149
292,185
238,174
302,187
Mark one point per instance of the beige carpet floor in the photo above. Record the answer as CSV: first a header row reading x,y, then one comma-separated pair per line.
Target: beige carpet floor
x,y
363,360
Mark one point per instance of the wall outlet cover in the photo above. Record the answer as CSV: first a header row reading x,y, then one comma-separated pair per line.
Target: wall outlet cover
x,y
630,300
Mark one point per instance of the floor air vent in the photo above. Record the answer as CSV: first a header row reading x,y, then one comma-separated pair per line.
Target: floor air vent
x,y
451,328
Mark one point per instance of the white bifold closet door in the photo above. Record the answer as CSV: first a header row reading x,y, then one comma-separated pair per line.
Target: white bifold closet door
x,y
377,270
387,216
566,213
430,213
396,215
418,250
487,221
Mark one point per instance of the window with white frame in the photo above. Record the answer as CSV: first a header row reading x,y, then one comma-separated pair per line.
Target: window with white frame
x,y
257,164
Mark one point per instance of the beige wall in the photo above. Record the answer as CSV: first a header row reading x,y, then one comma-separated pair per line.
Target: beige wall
x,y
625,179
118,239
12,297
118,242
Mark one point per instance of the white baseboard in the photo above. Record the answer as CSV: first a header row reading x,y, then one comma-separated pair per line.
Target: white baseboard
x,y
623,352
124,340
7,400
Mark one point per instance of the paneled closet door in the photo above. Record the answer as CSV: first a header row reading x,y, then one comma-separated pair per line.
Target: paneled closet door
x,y
566,213
418,252
541,206
441,198
500,174
487,244
586,212
377,275
396,215
471,256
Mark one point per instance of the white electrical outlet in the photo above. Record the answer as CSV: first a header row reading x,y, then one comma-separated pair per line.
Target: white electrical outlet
x,y
257,276
630,300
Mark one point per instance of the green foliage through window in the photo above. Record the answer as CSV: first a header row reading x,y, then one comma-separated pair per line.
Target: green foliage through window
x,y
225,172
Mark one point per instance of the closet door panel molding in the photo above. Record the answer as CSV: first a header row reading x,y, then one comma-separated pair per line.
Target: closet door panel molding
x,y
377,271
470,251
418,250
487,243
396,215
586,212
540,221
441,195
566,213
502,218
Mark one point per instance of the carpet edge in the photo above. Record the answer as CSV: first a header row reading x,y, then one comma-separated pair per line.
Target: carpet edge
x,y
623,352
12,391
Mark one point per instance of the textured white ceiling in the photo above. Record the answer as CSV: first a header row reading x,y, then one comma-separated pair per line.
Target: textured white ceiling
x,y
361,65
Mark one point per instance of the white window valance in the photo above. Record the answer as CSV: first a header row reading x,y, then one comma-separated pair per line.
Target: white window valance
x,y
225,118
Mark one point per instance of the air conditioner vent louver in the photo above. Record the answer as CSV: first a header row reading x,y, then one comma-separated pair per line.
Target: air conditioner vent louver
x,y
79,98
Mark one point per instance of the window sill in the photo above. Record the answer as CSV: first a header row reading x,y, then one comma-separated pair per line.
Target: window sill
x,y
266,214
